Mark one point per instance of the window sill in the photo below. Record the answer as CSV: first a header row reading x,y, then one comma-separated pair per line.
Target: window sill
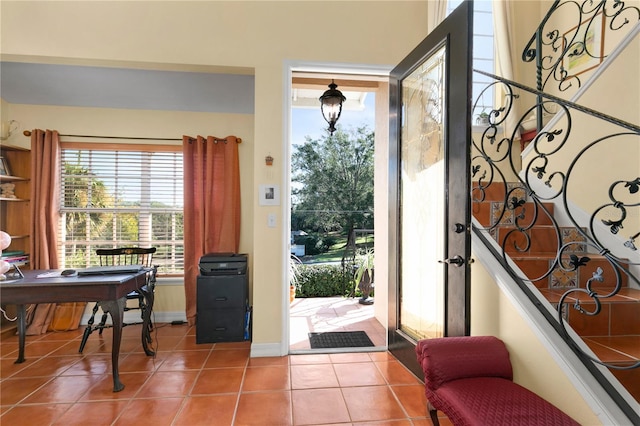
x,y
170,281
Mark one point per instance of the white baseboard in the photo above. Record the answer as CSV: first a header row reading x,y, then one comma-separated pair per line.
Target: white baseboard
x,y
259,350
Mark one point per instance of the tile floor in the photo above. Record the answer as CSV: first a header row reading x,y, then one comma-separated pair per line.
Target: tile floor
x,y
200,384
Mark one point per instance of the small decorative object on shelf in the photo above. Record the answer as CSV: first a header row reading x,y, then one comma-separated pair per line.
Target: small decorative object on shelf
x,y
4,167
7,190
5,241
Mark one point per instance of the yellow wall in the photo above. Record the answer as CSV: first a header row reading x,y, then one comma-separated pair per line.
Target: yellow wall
x,y
142,123
255,35
619,79
259,36
493,314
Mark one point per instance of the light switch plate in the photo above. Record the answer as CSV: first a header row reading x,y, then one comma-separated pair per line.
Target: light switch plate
x,y
271,220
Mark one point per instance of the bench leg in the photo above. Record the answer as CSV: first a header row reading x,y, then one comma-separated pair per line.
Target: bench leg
x,y
433,413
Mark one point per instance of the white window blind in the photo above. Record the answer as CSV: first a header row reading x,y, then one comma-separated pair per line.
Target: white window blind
x,y
121,197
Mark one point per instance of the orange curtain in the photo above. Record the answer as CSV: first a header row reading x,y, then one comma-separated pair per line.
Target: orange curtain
x,y
45,190
211,205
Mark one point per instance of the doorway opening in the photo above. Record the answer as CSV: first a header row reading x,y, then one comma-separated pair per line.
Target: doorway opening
x,y
367,98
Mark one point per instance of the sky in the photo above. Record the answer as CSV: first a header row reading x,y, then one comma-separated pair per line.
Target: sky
x,y
309,121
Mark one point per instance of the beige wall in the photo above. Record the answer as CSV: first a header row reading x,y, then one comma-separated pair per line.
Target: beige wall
x,y
142,123
256,35
493,314
616,93
260,36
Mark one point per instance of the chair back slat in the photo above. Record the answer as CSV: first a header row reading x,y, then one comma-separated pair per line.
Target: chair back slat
x,y
126,256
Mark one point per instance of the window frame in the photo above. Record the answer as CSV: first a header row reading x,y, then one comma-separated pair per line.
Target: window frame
x,y
120,147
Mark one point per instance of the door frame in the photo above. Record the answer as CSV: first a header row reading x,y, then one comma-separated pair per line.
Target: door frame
x,y
289,67
457,318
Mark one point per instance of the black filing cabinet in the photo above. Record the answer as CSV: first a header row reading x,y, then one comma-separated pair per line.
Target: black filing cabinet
x,y
223,313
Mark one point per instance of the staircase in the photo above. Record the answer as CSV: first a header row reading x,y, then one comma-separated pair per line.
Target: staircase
x,y
614,333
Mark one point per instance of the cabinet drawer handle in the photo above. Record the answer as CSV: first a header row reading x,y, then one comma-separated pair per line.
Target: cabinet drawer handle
x,y
221,328
221,299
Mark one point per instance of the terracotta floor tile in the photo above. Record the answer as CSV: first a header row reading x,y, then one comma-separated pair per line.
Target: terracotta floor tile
x,y
313,376
66,336
231,345
168,384
264,408
38,414
189,343
372,403
13,391
381,356
141,362
198,410
184,360
311,407
91,364
193,384
396,373
8,366
104,412
309,359
349,357
270,361
412,398
62,389
167,344
218,380
42,348
157,412
69,349
227,358
358,374
103,388
48,366
9,350
266,378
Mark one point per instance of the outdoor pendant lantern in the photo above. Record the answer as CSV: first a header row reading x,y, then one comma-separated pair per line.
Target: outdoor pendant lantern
x,y
331,105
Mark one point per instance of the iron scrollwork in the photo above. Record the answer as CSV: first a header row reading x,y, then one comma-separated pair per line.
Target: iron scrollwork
x,y
575,274
552,48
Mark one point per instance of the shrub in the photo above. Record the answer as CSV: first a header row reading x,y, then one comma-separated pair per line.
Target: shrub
x,y
322,281
315,243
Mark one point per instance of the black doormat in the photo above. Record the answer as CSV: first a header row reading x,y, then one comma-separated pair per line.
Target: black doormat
x,y
339,339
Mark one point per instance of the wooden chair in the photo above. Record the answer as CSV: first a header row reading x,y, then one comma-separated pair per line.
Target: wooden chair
x,y
144,296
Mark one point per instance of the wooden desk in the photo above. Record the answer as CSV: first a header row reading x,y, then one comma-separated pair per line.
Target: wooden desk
x,y
110,290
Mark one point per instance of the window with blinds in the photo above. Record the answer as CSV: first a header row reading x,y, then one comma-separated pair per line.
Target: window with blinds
x,y
120,197
483,54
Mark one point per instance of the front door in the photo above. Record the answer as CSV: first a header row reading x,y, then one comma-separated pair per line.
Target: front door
x,y
430,242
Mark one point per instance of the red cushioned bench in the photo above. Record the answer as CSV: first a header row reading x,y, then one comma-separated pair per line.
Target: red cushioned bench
x,y
471,381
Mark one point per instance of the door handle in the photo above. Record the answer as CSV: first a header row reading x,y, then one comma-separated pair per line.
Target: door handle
x,y
456,260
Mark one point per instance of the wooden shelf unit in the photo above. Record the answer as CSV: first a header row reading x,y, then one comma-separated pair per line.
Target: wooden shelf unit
x,y
15,215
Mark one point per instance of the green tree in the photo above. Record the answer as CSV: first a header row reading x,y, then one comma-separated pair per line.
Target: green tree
x,y
333,181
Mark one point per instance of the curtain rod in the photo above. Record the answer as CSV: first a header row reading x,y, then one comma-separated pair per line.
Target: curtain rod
x,y
28,133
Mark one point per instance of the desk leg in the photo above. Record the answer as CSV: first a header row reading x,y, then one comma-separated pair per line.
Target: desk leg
x,y
22,330
146,322
116,309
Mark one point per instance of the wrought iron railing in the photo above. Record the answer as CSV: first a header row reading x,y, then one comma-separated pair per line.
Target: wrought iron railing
x,y
536,183
563,54
546,185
